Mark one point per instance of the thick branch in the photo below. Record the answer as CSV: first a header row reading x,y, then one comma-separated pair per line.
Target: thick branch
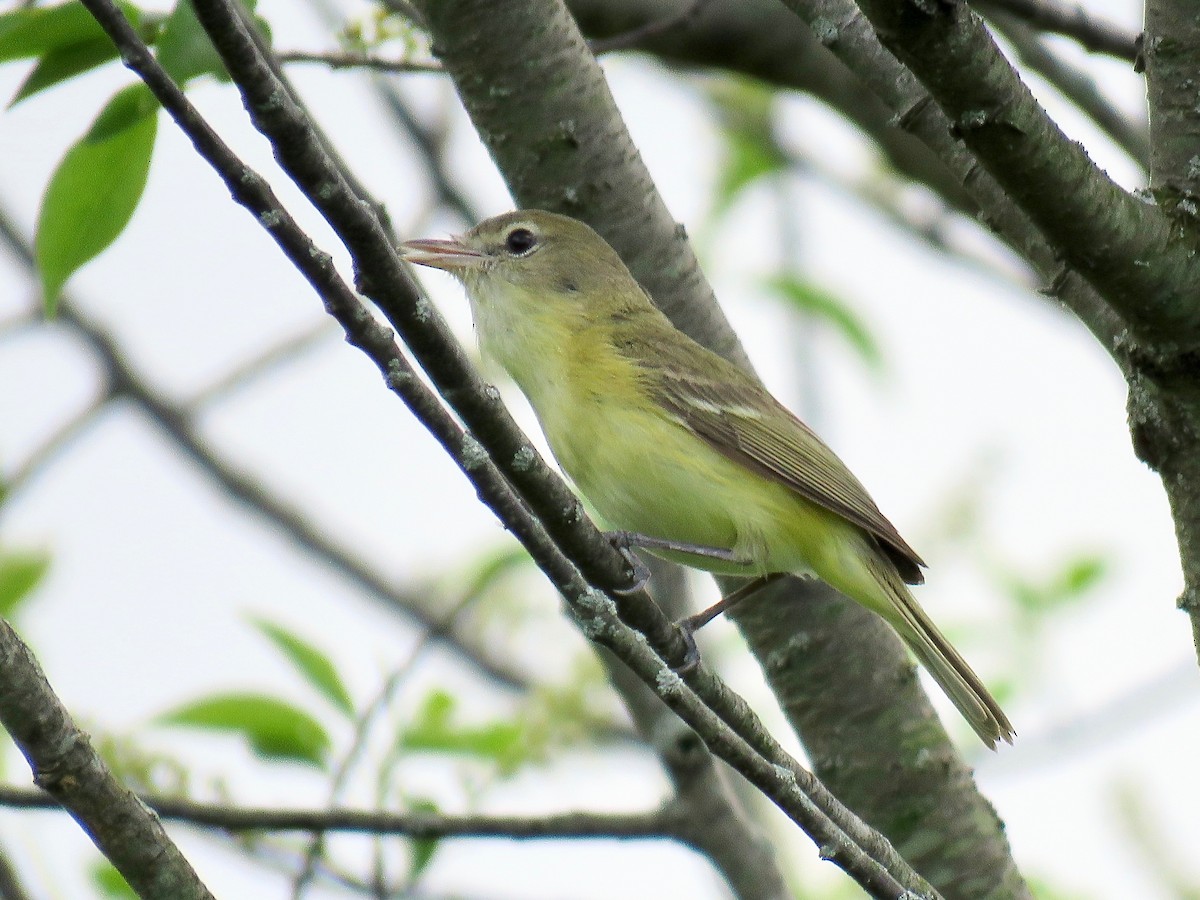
x,y
760,39
540,47
1164,391
1171,44
841,836
70,771
930,793
1127,249
750,37
1075,83
540,103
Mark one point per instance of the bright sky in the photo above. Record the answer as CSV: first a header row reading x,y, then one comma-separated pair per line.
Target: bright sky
x,y
987,388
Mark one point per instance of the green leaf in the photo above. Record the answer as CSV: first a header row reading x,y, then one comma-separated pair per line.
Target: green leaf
x,y
814,301
314,665
1069,584
433,730
111,883
20,573
422,850
1080,575
275,728
65,62
183,47
493,566
745,111
96,188
38,30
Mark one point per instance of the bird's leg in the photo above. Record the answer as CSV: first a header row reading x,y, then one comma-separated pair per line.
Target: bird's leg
x,y
624,541
691,624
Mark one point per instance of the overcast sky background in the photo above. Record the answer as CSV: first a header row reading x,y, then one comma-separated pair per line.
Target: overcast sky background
x,y
986,385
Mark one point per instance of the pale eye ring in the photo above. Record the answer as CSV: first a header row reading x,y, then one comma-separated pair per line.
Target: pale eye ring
x,y
520,241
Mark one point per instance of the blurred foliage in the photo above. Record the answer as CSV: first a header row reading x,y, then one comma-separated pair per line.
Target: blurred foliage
x,y
386,27
142,770
21,571
421,850
434,728
1071,580
1166,860
751,154
820,305
745,112
274,728
110,883
313,664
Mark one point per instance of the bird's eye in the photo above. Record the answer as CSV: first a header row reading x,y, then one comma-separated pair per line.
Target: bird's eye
x,y
520,241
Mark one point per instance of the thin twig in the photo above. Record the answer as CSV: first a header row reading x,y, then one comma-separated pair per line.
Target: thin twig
x,y
882,193
1071,20
630,39
430,143
353,60
1129,712
362,729
50,449
242,375
303,155
175,422
657,824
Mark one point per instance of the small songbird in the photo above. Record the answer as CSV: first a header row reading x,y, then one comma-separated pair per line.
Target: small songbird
x,y
674,443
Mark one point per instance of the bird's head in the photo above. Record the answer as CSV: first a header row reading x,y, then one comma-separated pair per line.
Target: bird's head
x,y
542,256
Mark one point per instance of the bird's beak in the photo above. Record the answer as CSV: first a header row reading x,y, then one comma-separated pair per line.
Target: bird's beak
x,y
452,255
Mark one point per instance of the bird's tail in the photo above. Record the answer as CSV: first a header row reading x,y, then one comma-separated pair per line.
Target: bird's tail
x,y
941,660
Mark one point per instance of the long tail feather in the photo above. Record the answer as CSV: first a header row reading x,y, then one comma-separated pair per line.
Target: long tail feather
x,y
943,662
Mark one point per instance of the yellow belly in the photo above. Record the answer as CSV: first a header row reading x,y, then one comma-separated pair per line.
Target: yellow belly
x,y
645,473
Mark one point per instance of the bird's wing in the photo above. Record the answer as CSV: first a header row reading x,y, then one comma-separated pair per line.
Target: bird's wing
x,y
741,420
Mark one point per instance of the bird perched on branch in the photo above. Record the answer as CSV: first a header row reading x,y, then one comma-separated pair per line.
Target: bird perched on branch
x,y
688,453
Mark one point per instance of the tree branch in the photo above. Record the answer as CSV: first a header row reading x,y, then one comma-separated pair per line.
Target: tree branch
x,y
262,363
502,85
70,771
1123,246
1172,40
1075,84
177,423
761,39
353,60
666,822
11,887
789,785
1091,31
1164,390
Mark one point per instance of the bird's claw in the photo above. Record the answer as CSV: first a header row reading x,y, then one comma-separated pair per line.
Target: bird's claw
x,y
691,653
639,571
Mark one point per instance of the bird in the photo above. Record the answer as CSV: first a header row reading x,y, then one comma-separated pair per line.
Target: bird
x,y
685,452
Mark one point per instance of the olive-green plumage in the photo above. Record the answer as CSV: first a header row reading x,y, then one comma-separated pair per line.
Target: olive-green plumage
x,y
667,439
